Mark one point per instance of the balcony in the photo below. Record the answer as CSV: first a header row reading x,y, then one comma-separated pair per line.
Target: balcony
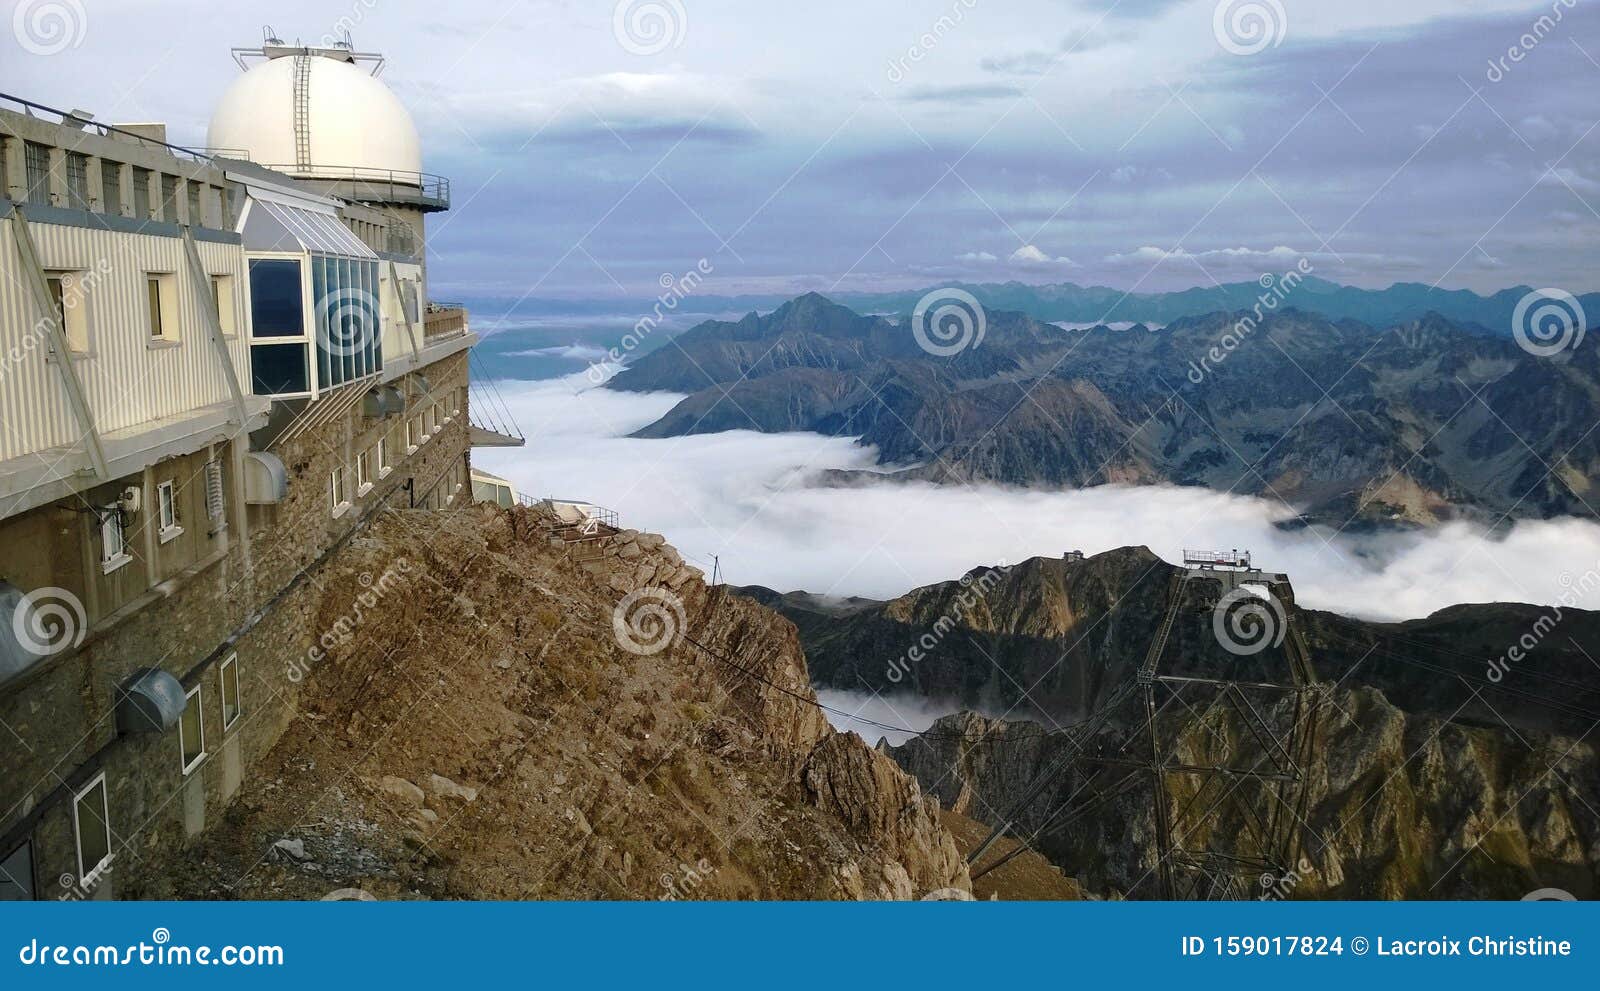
x,y
443,321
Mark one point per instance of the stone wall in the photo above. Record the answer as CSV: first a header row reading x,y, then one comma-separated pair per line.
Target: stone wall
x,y
255,600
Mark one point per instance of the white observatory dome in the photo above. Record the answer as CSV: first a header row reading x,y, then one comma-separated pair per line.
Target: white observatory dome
x,y
351,120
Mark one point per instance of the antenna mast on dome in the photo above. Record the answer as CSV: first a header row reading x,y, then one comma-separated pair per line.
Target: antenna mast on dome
x,y
340,48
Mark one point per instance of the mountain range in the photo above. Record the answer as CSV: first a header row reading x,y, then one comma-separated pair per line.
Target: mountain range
x,y
1068,302
1345,423
1431,776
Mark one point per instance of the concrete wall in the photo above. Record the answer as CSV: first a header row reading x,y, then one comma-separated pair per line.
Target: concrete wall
x,y
186,606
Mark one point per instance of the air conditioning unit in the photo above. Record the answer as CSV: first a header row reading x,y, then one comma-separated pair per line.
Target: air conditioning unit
x,y
132,498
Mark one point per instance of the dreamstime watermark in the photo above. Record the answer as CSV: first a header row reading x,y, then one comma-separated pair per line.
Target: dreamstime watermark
x,y
648,620
683,882
73,890
649,27
1573,591
1248,620
674,290
1276,290
1547,322
973,589
345,23
1277,887
160,951
1246,27
948,895
1549,895
344,628
49,27
76,287
352,321
948,321
1542,28
928,40
49,620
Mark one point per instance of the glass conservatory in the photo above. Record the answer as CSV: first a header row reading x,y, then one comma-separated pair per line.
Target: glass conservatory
x,y
316,316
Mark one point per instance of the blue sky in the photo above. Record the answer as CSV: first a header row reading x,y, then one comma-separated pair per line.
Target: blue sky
x,y
1155,144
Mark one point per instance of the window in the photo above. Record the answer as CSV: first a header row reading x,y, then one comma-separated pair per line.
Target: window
x,y
228,674
441,415
111,186
381,456
77,180
91,824
457,394
113,541
36,167
169,198
141,193
192,731
196,218
222,302
66,292
161,302
16,875
277,314
167,508
363,473
339,490
414,434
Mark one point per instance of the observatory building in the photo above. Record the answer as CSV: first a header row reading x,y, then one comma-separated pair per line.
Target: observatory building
x,y
216,367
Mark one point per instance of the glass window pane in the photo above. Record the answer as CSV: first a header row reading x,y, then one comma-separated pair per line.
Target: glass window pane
x,y
16,875
278,369
94,843
189,728
276,309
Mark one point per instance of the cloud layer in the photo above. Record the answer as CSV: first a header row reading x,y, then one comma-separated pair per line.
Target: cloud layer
x,y
757,503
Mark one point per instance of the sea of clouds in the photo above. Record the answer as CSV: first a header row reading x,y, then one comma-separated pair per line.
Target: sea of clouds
x,y
753,501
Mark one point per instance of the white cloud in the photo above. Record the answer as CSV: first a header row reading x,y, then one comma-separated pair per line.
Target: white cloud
x,y
977,256
1030,254
757,501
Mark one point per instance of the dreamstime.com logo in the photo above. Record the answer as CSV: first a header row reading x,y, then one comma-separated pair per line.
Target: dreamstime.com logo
x,y
948,321
352,319
159,952
648,620
682,883
649,27
1247,621
1547,322
49,620
674,290
373,591
1245,27
49,27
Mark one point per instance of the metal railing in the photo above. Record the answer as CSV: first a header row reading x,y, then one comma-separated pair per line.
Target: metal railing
x,y
70,119
394,184
443,321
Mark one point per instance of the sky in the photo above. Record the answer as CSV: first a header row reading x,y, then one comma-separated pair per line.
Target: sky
x,y
848,146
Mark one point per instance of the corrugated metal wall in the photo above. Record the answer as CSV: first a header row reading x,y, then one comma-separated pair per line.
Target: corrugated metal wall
x,y
127,381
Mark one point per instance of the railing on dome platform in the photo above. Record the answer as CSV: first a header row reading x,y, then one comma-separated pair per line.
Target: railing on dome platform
x,y
379,184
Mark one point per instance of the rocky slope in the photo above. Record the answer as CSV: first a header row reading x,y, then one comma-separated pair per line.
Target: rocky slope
x,y
1344,422
495,727
1430,778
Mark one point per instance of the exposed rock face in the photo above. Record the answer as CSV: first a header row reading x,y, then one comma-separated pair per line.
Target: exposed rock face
x,y
1047,638
1402,806
1429,778
1429,420
502,727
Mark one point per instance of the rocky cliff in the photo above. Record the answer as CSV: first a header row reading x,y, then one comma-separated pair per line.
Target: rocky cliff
x,y
507,710
1429,778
